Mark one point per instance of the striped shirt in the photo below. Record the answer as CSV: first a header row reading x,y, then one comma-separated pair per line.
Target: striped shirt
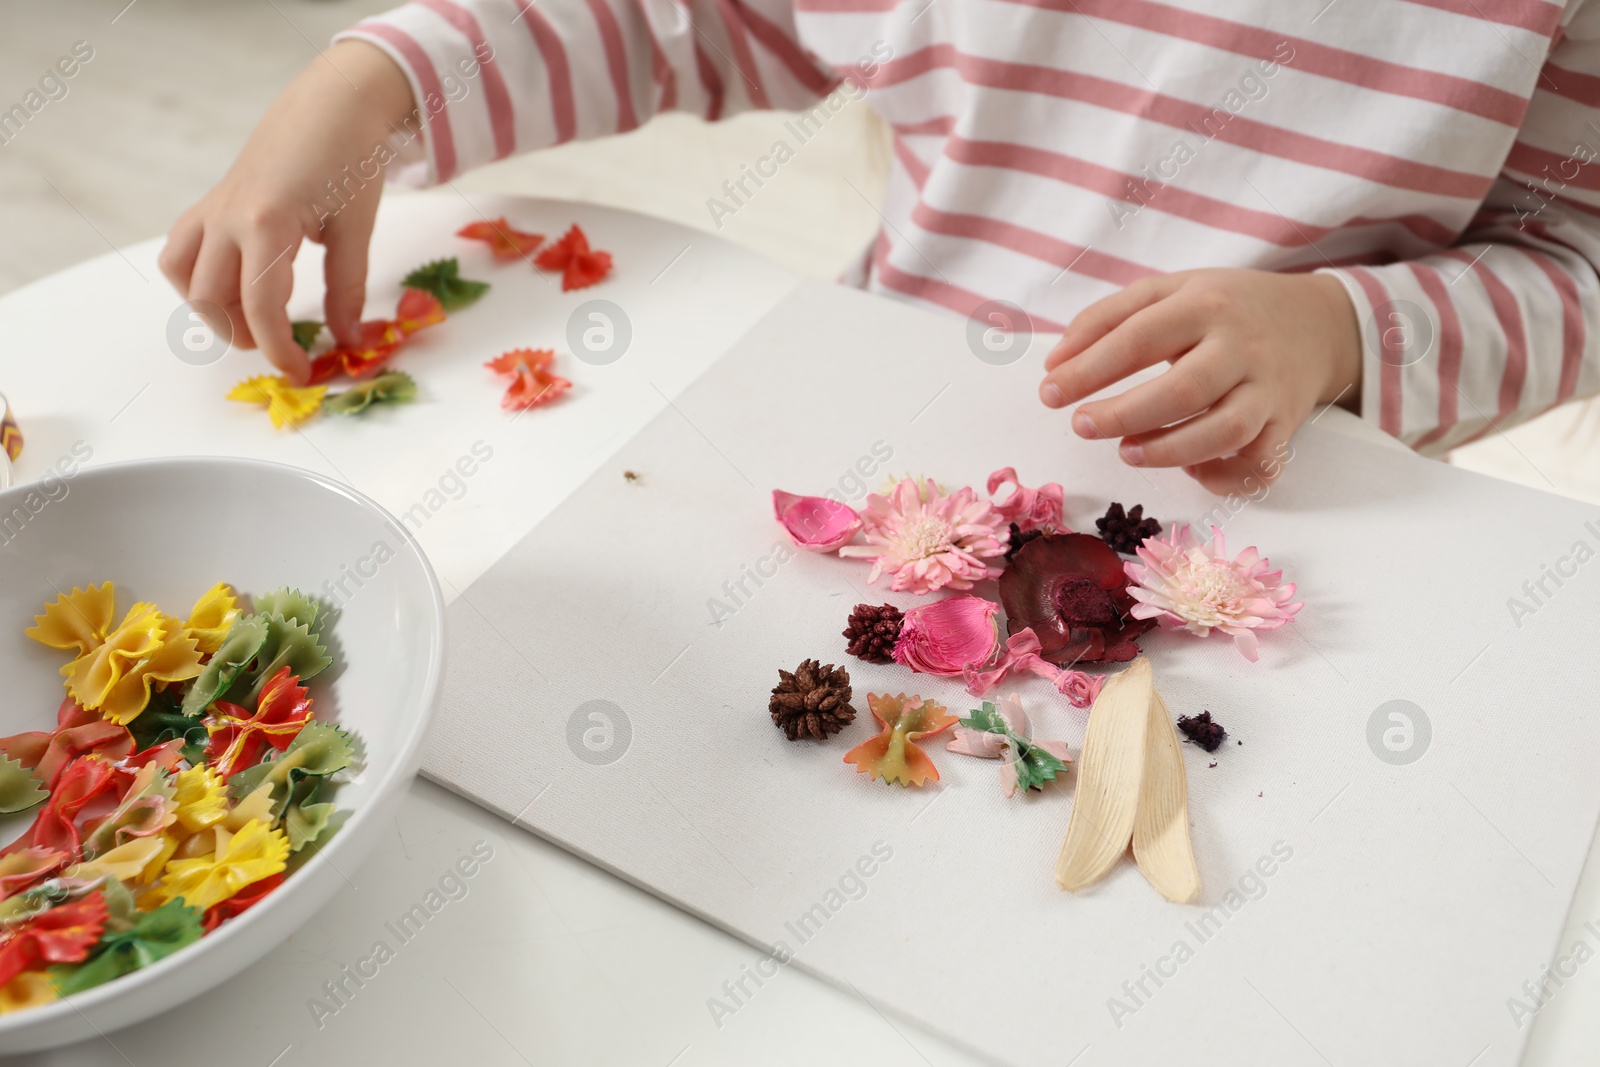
x,y
1441,157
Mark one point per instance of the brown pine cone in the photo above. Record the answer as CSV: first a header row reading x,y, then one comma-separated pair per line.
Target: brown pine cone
x,y
814,701
1124,531
872,632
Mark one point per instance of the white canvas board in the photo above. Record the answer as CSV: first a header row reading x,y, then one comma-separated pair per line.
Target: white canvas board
x,y
1358,908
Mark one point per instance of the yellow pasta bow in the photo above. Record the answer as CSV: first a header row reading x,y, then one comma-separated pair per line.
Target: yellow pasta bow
x,y
114,678
27,990
78,619
258,805
254,853
288,405
211,616
201,798
128,862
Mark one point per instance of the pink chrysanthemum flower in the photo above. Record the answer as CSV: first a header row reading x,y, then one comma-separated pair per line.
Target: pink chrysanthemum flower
x,y
1196,587
927,539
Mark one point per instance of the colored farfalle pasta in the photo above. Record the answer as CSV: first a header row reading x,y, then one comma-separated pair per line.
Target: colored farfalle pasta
x,y
187,775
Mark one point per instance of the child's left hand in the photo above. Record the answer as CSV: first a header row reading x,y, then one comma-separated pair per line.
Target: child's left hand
x,y
1252,353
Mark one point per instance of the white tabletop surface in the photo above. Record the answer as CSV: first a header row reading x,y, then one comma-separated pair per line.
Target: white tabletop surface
x,y
545,959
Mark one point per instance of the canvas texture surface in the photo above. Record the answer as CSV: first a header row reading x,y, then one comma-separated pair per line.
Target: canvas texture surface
x,y
1375,887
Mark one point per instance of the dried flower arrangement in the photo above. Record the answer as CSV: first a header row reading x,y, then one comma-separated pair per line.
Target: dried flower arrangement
x,y
1067,599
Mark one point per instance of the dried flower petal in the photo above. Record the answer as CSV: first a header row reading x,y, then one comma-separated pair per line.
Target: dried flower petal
x,y
871,632
1071,591
950,637
815,523
1021,654
1196,587
1202,730
1124,530
927,540
1029,509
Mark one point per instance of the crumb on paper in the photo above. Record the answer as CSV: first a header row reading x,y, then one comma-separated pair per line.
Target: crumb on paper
x,y
633,477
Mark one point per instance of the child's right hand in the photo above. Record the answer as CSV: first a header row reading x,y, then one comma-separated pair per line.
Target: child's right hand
x,y
236,247
1252,353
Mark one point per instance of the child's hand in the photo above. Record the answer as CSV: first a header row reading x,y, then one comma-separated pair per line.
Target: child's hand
x,y
1252,353
236,247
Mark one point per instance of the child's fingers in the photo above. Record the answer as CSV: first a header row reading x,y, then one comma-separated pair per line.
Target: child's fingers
x,y
267,282
345,273
1224,430
1195,382
1106,314
1257,465
215,283
1159,332
239,325
179,253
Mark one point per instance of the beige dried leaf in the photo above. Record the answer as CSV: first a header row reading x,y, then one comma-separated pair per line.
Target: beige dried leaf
x,y
1109,772
1161,845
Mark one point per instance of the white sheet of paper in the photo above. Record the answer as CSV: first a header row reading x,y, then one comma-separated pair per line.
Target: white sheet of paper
x,y
1357,908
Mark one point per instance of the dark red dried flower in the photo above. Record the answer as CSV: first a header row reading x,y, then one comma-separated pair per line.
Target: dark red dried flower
x,y
872,631
1202,730
1125,531
1070,590
1020,538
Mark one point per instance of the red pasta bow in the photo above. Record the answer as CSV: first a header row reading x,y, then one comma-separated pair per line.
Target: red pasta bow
x,y
580,267
237,735
503,239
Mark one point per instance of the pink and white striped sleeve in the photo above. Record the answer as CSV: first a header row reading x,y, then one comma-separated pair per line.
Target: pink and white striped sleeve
x,y
1506,324
496,77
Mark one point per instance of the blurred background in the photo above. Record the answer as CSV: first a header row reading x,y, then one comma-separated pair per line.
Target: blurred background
x,y
175,86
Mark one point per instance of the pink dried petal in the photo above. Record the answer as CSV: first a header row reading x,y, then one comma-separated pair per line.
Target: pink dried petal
x,y
949,637
927,539
1030,509
1196,587
1021,653
815,523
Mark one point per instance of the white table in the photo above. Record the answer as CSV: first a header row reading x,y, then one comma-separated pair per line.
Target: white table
x,y
545,959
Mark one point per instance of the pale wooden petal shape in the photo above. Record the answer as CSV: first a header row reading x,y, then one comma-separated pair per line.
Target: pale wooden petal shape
x,y
1109,772
1161,845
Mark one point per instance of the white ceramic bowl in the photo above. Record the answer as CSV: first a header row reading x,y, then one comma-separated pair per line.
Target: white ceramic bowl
x,y
166,531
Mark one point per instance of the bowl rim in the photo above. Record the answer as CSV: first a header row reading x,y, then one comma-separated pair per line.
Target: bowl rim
x,y
400,771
